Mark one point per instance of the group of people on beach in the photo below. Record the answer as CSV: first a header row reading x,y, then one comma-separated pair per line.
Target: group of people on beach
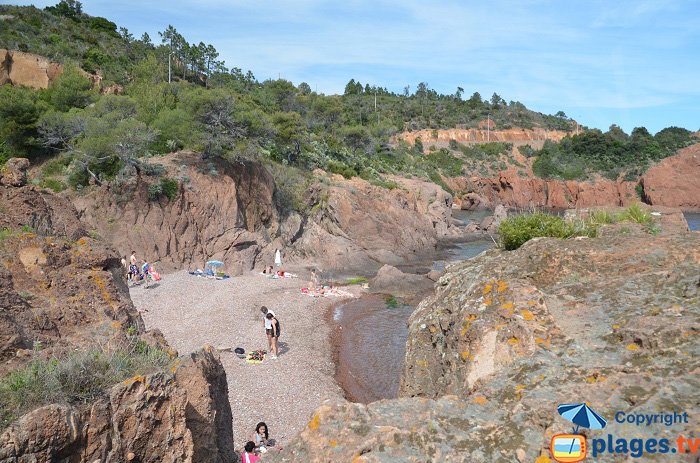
x,y
145,273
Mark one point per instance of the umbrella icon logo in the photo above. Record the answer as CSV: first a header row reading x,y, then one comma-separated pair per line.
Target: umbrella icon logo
x,y
571,448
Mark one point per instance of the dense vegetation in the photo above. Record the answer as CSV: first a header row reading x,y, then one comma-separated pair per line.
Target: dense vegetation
x,y
611,154
178,95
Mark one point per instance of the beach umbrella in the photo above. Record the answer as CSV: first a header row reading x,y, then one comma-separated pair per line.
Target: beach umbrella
x,y
582,415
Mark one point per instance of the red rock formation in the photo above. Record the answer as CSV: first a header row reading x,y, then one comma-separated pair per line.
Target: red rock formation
x,y
675,181
181,415
358,225
229,216
513,190
57,286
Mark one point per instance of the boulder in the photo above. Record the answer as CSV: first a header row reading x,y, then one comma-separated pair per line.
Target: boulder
x,y
490,224
179,416
474,202
390,280
14,172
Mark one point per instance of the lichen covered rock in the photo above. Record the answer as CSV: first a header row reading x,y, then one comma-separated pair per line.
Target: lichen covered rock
x,y
182,415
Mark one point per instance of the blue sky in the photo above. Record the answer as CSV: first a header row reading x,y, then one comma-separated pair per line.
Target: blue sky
x,y
633,63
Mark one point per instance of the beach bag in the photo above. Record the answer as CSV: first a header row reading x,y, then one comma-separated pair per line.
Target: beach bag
x,y
279,327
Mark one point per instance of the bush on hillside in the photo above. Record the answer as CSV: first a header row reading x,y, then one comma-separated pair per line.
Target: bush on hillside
x,y
78,377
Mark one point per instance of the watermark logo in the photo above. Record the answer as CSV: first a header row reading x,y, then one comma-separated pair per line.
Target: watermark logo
x,y
570,448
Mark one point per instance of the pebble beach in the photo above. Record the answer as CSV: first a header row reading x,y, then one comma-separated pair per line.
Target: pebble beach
x,y
193,311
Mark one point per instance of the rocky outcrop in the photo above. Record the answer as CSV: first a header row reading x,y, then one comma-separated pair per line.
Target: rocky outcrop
x,y
490,224
27,69
231,215
390,280
58,287
14,172
675,181
403,430
482,135
515,191
355,224
178,416
508,336
223,211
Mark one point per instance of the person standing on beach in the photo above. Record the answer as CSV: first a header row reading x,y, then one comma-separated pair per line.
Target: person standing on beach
x,y
274,333
133,269
268,326
278,258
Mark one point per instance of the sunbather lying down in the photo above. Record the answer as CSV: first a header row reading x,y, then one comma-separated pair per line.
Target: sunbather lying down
x,y
327,291
283,274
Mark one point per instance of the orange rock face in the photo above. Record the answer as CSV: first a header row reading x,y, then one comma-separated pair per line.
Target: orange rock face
x,y
474,135
29,70
675,182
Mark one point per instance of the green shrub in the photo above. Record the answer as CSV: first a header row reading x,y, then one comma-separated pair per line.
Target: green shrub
x,y
601,217
167,187
5,233
53,184
170,187
355,281
516,231
340,168
635,213
77,377
526,150
152,170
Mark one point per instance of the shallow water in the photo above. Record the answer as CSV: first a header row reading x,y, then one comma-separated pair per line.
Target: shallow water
x,y
372,346
372,336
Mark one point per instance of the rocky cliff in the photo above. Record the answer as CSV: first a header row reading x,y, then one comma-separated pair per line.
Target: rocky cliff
x,y
27,69
178,416
354,224
513,190
227,211
482,136
221,210
675,181
58,287
508,336
62,291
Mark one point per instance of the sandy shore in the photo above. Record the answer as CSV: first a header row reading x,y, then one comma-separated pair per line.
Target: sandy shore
x,y
193,311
